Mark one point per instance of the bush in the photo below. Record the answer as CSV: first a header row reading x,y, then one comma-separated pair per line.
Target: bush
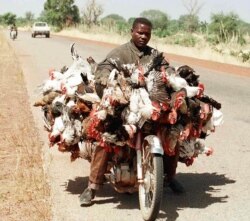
x,y
161,33
186,40
212,39
245,55
226,27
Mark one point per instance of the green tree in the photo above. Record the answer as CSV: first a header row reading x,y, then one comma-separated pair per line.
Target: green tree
x,y
189,23
8,18
131,20
204,27
115,22
158,18
114,17
173,26
244,27
224,27
61,13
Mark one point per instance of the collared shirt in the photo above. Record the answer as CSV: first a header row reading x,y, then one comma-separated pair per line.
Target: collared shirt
x,y
125,54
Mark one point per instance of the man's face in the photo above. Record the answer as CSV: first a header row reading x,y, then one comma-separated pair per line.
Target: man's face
x,y
141,35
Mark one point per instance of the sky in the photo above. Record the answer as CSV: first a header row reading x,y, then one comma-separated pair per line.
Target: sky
x,y
133,8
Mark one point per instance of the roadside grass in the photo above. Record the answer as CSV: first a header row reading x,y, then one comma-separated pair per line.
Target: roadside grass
x,y
202,49
24,192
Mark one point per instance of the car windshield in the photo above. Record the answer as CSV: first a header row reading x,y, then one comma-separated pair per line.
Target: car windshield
x,y
40,24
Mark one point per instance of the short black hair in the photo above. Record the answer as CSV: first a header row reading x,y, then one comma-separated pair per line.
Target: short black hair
x,y
142,20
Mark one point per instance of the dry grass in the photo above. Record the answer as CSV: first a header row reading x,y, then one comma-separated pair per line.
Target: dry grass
x,y
202,51
24,193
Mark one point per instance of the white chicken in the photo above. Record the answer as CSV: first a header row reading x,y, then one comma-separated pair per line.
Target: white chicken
x,y
91,97
71,78
57,129
178,83
51,85
140,107
215,121
56,75
72,133
68,90
73,74
59,99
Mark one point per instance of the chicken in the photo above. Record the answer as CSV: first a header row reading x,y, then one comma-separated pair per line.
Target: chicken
x,y
92,64
47,99
57,129
215,121
131,130
140,108
69,81
190,149
68,90
91,97
81,107
156,87
57,105
72,132
72,76
86,150
188,74
178,83
152,97
51,85
56,75
169,136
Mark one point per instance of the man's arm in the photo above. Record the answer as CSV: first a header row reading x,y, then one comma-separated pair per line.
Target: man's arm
x,y
102,72
112,60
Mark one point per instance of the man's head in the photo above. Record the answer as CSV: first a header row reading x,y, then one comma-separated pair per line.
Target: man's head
x,y
141,32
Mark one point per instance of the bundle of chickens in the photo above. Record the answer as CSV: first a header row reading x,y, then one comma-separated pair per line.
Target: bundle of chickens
x,y
162,100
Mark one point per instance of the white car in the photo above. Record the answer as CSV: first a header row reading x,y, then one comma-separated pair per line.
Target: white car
x,y
40,28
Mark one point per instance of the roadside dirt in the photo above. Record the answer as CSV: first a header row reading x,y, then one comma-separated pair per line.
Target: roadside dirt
x,y
24,193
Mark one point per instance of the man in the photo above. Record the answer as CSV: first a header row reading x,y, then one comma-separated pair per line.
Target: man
x,y
13,28
136,50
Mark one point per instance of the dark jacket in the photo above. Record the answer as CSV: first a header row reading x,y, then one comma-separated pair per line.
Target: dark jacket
x,y
125,54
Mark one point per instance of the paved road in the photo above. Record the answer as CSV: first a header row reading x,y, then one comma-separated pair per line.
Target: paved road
x,y
217,186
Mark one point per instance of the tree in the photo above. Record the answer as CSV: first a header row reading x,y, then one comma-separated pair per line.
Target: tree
x,y
91,13
192,6
114,17
158,18
225,26
173,26
8,18
115,21
244,27
29,17
131,20
190,21
61,12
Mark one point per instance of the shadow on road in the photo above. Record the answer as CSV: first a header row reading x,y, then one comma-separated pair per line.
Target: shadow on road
x,y
76,186
201,192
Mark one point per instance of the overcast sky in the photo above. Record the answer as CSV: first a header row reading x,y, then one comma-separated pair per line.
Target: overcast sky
x,y
133,8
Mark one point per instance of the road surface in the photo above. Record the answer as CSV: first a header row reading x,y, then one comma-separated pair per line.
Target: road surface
x,y
217,186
